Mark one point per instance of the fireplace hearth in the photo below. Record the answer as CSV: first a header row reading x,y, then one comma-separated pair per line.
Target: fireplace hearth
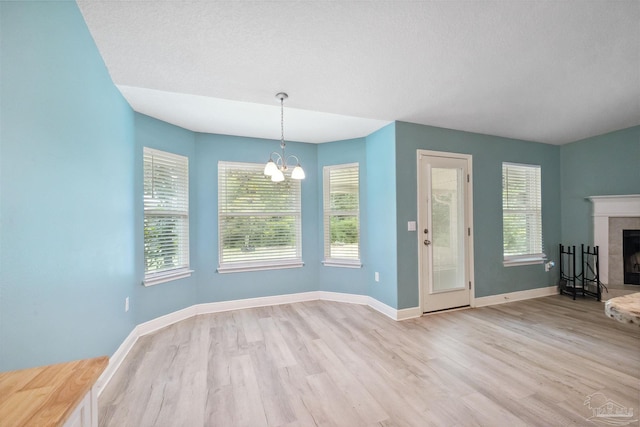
x,y
631,256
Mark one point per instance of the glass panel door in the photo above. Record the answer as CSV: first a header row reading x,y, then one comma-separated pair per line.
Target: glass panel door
x,y
444,216
447,224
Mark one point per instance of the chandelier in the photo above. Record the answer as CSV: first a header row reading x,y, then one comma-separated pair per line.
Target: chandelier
x,y
276,168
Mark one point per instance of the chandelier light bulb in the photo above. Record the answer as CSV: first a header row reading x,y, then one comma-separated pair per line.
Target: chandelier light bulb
x,y
270,168
277,176
298,172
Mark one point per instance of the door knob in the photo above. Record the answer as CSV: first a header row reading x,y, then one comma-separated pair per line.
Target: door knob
x,y
427,242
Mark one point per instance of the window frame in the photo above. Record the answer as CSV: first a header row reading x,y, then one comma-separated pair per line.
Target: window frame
x,y
327,212
296,213
535,209
179,209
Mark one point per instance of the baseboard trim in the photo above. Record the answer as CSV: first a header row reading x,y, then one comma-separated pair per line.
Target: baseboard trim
x,y
217,307
383,308
515,296
116,360
409,313
240,304
166,320
342,297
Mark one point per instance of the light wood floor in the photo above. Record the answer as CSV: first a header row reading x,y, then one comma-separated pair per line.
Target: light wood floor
x,y
331,364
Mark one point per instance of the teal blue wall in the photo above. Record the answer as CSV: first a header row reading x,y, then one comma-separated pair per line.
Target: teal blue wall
x,y
488,152
153,301
66,191
382,254
599,166
340,279
71,205
213,286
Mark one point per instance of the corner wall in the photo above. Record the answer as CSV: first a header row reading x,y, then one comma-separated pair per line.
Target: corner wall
x,y
153,301
340,279
382,247
600,166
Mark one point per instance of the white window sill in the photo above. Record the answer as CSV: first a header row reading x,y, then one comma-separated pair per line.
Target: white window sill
x,y
342,263
168,276
524,260
241,268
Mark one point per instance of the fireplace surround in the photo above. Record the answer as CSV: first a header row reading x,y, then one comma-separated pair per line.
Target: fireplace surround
x,y
605,208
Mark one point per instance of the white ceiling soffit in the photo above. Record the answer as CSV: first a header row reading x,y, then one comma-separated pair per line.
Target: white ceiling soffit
x,y
215,115
547,71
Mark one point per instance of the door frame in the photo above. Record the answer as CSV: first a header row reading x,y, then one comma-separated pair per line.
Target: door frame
x,y
469,219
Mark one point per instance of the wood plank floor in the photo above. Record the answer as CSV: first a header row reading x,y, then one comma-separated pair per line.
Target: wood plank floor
x,y
322,363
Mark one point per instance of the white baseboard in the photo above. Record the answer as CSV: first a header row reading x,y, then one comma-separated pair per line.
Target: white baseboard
x,y
383,308
515,296
341,297
409,313
116,360
216,307
166,320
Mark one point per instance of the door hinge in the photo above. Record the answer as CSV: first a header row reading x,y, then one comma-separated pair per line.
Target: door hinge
x,y
469,284
469,231
467,177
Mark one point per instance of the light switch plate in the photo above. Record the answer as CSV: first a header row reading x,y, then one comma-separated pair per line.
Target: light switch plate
x,y
411,226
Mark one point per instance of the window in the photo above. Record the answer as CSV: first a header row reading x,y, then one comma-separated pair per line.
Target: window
x,y
166,216
521,214
341,215
259,221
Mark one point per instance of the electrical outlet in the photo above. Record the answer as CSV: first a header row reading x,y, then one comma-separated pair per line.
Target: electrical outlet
x,y
376,276
126,304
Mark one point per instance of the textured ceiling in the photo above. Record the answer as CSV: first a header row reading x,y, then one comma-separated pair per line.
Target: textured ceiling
x,y
547,71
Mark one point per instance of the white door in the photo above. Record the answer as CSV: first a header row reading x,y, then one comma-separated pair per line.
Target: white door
x,y
444,230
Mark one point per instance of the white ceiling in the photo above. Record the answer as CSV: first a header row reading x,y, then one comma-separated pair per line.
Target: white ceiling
x,y
546,71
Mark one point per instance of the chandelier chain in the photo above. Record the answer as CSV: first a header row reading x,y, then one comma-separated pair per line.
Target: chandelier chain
x,y
282,123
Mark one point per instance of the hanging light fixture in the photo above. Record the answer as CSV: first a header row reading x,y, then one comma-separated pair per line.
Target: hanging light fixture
x,y
276,168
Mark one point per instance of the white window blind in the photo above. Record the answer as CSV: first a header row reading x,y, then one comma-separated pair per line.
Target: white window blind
x,y
341,215
166,216
522,214
259,221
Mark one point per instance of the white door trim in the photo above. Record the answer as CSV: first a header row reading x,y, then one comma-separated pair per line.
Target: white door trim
x,y
469,203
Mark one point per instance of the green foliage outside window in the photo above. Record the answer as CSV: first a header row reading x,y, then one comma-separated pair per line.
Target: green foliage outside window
x,y
521,209
258,219
161,241
344,229
250,232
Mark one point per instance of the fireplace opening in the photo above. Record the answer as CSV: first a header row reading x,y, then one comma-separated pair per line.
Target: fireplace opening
x,y
631,256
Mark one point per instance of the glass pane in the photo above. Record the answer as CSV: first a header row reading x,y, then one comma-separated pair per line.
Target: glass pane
x,y
447,233
344,237
255,238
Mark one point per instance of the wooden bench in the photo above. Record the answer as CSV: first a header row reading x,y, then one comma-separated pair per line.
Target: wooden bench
x,y
52,396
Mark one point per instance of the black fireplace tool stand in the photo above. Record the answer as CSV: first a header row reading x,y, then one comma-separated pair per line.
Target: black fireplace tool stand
x,y
587,281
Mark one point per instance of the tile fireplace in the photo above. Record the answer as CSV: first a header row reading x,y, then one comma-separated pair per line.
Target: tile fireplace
x,y
611,216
